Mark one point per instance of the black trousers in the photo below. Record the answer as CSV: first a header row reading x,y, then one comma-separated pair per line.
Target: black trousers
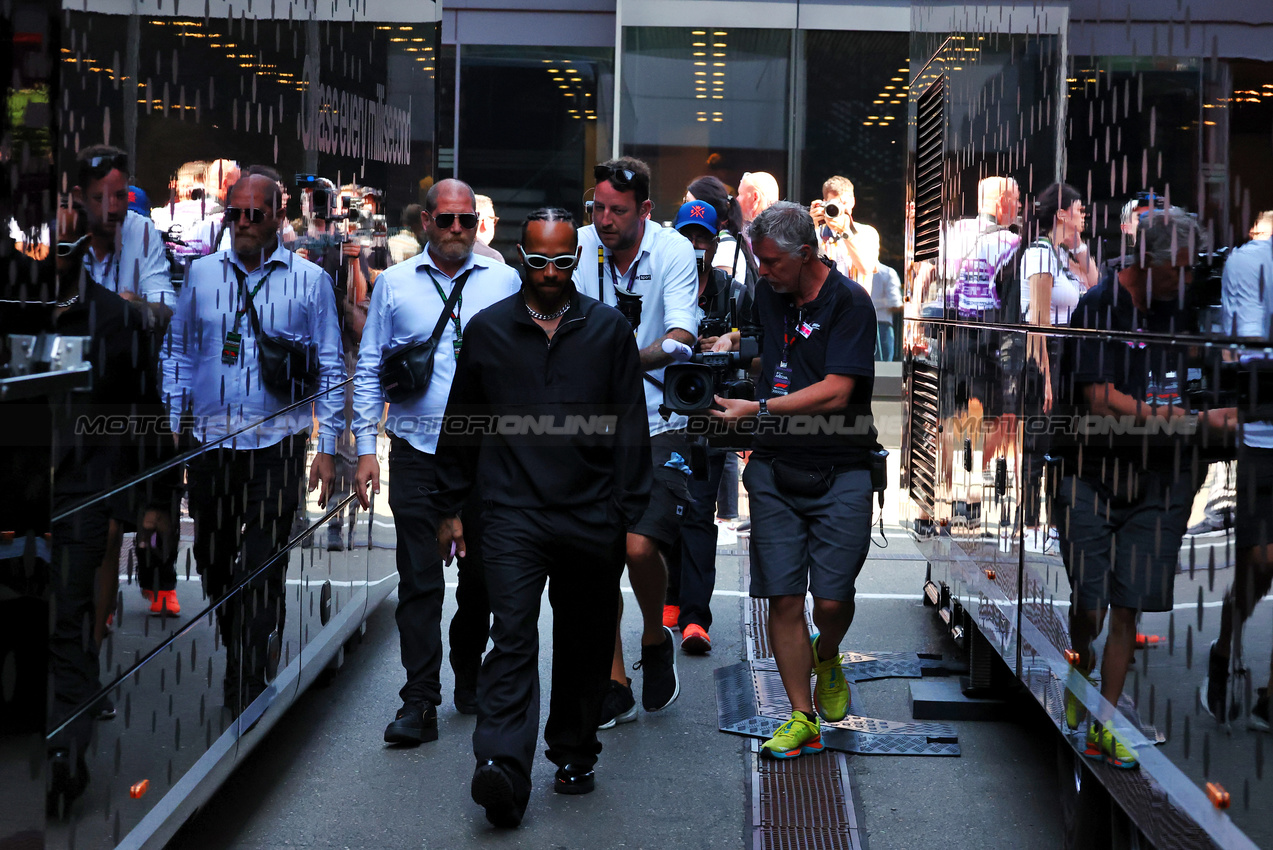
x,y
79,546
471,625
580,554
691,564
421,586
243,503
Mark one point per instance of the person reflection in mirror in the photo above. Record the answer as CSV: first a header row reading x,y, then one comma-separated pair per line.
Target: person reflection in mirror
x,y
86,545
1247,300
126,251
1056,269
1123,498
406,243
854,247
557,507
244,493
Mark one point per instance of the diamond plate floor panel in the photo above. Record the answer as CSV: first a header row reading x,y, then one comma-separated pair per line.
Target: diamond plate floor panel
x,y
739,713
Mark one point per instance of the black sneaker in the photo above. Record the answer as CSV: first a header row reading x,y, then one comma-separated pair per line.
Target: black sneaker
x,y
1215,686
574,779
493,791
618,705
415,723
1258,719
660,685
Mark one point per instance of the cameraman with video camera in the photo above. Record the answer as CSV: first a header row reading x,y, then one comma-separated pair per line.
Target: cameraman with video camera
x,y
815,462
692,561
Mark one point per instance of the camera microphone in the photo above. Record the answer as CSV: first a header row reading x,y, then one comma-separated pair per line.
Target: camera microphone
x,y
680,351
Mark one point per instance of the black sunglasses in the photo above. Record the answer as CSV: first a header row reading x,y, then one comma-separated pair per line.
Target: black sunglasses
x,y
565,262
254,215
444,220
107,164
620,177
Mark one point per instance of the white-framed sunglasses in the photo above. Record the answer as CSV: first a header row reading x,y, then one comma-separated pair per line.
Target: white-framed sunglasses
x,y
565,262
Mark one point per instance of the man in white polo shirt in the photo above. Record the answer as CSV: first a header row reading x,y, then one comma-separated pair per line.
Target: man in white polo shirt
x,y
406,305
126,252
650,274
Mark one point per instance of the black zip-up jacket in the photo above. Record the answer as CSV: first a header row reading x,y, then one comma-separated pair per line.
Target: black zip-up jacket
x,y
540,424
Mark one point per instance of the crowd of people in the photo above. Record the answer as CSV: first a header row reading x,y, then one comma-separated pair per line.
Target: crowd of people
x,y
1120,500
528,438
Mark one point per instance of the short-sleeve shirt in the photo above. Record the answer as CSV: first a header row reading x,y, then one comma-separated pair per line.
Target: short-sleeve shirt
x,y
139,266
834,334
978,251
1147,370
1043,258
665,276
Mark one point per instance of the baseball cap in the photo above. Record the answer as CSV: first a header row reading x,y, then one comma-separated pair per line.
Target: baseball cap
x,y
696,212
138,202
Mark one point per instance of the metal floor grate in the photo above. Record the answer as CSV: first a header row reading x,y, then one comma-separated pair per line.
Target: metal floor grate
x,y
804,804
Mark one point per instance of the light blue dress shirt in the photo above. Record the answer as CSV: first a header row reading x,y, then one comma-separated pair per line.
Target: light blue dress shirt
x,y
405,306
297,302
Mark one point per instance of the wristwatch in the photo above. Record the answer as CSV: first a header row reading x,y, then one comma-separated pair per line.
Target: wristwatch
x,y
764,407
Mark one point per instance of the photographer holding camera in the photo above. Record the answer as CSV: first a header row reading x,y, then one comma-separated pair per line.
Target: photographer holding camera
x,y
815,453
692,561
853,247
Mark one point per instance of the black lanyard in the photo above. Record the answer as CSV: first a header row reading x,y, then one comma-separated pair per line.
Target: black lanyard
x,y
455,315
614,277
247,302
92,263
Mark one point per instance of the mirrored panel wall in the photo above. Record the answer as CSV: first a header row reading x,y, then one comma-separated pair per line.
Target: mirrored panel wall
x,y
1087,395
204,198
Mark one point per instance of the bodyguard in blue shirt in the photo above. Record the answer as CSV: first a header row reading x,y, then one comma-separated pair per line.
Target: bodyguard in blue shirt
x,y
245,491
405,307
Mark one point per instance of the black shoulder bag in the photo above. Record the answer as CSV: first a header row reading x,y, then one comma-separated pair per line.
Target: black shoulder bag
x,y
406,373
288,367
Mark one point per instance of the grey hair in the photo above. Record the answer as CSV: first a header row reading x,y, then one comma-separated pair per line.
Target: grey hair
x,y
787,224
1161,235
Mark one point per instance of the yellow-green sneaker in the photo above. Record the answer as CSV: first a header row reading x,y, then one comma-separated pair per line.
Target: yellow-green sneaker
x,y
830,690
1074,709
1102,743
1116,753
798,736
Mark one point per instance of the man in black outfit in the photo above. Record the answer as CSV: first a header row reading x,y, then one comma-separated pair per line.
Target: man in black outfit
x,y
546,423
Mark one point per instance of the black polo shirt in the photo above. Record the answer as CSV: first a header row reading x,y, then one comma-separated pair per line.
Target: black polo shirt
x,y
834,334
1150,370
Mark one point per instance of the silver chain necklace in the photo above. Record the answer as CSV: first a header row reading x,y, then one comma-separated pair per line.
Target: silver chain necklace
x,y
543,317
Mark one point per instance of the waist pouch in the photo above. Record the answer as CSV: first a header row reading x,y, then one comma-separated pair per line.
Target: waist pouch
x,y
406,373
800,481
288,367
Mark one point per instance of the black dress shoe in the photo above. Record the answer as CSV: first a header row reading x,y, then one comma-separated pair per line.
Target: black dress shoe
x,y
575,779
415,723
493,790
